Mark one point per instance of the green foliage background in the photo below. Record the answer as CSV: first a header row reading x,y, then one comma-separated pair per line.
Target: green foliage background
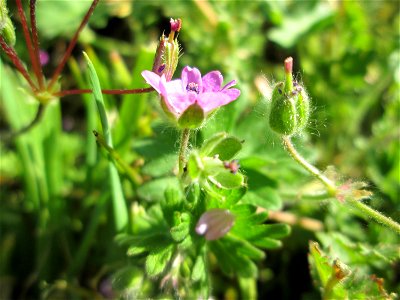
x,y
345,52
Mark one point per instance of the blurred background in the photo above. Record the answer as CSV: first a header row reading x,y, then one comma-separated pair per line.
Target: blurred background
x,y
57,233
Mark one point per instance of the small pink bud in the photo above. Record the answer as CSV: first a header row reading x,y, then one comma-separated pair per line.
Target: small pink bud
x,y
215,223
288,65
176,24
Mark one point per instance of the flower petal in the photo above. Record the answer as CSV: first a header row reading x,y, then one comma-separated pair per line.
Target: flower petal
x,y
191,75
228,85
171,87
210,101
178,103
232,93
212,81
153,79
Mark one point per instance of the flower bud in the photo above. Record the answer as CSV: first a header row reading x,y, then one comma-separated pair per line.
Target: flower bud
x,y
290,105
215,223
167,53
7,30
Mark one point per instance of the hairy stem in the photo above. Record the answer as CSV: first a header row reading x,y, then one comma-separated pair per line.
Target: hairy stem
x,y
71,45
13,56
373,214
28,41
366,211
330,186
35,41
182,150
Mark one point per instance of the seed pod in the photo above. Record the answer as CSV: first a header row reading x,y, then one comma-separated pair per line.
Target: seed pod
x,y
290,105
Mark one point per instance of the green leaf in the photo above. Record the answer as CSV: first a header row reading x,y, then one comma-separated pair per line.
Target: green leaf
x,y
223,145
199,268
265,197
157,260
227,180
171,203
153,191
195,165
230,261
296,26
179,232
119,206
267,243
127,278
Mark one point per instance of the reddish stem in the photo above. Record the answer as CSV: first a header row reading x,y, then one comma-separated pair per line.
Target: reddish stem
x,y
71,45
12,55
35,40
108,92
28,41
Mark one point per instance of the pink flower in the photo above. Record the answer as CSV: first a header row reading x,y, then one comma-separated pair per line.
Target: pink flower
x,y
207,91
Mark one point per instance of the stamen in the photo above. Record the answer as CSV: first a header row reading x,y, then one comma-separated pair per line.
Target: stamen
x,y
194,87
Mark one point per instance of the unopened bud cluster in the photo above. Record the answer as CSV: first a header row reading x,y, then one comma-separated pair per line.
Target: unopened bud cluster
x,y
290,105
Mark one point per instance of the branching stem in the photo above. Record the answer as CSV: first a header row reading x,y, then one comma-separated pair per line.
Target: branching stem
x,y
71,45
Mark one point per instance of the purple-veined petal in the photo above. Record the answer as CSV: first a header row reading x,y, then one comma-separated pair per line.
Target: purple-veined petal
x,y
191,75
228,85
153,79
232,93
212,81
211,101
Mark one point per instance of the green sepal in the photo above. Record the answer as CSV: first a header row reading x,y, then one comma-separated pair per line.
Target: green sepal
x,y
192,118
221,144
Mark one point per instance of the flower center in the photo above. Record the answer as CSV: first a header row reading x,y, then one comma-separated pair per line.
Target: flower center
x,y
192,87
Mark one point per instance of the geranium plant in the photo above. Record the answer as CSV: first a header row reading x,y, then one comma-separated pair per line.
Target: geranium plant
x,y
128,173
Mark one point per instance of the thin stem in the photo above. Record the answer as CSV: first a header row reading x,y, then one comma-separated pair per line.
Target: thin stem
x,y
35,41
108,92
182,150
309,167
373,214
133,176
25,29
332,189
13,56
71,45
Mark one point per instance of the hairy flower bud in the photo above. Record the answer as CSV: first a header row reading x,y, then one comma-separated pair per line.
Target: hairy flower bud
x,y
7,30
215,223
290,105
